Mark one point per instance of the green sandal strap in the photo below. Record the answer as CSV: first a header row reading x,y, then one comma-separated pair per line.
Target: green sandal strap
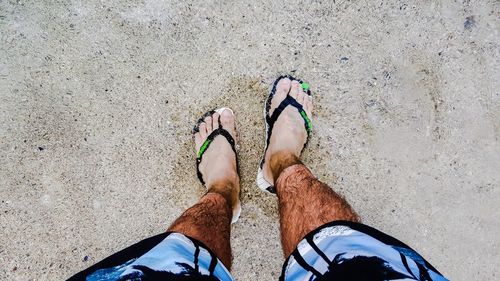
x,y
206,145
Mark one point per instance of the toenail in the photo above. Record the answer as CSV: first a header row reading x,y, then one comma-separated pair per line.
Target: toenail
x,y
285,82
226,116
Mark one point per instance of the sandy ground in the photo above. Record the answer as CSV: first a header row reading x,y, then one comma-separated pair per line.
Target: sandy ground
x,y
97,100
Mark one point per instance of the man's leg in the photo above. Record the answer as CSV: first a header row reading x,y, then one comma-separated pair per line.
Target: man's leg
x,y
209,221
175,256
304,202
346,251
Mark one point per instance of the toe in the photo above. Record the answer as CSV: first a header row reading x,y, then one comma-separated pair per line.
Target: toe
x,y
308,105
203,130
208,122
294,92
282,90
301,96
227,121
215,121
198,141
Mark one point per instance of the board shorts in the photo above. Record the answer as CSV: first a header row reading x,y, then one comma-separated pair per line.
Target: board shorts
x,y
339,250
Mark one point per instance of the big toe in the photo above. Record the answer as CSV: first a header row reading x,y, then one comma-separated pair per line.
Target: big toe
x,y
282,90
227,120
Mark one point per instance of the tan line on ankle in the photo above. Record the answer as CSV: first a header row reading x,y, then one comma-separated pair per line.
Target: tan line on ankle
x,y
280,161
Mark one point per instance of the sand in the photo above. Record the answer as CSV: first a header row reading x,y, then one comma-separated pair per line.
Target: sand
x,y
98,98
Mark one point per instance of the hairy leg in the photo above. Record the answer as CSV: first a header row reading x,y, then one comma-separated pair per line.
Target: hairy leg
x,y
209,221
305,203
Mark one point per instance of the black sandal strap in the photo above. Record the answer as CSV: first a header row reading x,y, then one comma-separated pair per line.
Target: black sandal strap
x,y
277,112
206,145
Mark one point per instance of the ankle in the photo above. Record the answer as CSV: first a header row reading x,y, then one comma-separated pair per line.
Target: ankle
x,y
229,176
225,188
280,161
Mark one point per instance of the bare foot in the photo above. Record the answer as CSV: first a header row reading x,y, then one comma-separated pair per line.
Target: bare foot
x,y
289,133
218,163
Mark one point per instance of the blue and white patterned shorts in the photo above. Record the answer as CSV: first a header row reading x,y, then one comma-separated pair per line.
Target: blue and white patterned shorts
x,y
344,250
338,250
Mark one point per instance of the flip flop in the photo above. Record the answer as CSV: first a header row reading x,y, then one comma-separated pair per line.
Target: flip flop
x,y
206,144
262,183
